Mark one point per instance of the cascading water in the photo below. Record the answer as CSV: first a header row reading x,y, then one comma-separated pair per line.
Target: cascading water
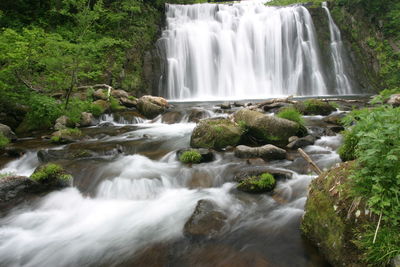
x,y
241,51
343,84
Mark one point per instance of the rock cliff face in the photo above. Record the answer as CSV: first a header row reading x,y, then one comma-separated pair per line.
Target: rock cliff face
x,y
360,60
333,217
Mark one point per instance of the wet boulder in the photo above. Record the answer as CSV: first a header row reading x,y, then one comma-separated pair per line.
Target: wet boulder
x,y
99,94
266,129
246,172
314,107
87,119
335,119
152,106
196,114
48,155
394,100
129,102
7,132
206,221
13,187
258,184
63,122
301,142
216,134
103,104
65,136
204,155
172,117
266,152
119,94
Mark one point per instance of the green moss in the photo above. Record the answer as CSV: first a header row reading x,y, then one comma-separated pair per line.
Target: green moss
x,y
291,114
50,172
6,174
258,184
114,104
55,139
3,141
314,107
191,156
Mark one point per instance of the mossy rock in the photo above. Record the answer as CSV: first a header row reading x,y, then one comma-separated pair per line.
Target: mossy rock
x,y
65,136
258,184
216,134
333,217
103,104
315,107
266,129
51,174
152,106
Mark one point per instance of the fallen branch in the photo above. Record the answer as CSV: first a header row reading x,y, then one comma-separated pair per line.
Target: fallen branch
x,y
310,161
377,228
28,84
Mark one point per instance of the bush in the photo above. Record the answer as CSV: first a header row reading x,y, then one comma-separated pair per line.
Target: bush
x,y
50,172
3,141
191,156
374,140
291,114
114,104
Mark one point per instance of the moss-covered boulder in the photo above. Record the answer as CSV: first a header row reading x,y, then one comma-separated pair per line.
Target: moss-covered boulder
x,y
216,134
266,129
51,174
152,106
190,156
258,184
100,94
67,135
315,107
102,105
333,217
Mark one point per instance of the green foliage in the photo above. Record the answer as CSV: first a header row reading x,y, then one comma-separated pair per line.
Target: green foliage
x,y
6,174
50,172
43,112
56,139
190,156
291,114
3,141
384,95
96,110
385,248
292,2
114,104
266,181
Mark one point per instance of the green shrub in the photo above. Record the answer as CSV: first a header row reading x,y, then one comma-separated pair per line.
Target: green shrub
x,y
190,156
96,110
291,114
384,95
50,172
374,140
114,104
43,112
3,141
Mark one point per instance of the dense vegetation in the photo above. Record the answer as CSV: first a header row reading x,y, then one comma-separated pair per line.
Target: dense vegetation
x,y
373,139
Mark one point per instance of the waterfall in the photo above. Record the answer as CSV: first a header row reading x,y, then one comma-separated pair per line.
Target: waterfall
x,y
342,82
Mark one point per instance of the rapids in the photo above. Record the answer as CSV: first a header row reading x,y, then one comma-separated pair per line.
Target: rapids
x,y
132,202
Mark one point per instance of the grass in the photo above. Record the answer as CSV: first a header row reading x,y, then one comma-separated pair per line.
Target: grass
x,y
50,172
190,156
3,141
291,114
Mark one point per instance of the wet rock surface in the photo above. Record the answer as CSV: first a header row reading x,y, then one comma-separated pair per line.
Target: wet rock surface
x,y
152,106
7,132
206,221
267,152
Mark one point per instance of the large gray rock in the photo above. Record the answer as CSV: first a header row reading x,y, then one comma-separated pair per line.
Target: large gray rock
x,y
301,142
128,102
216,134
266,128
196,114
205,222
99,94
87,119
152,106
119,94
63,122
267,152
7,132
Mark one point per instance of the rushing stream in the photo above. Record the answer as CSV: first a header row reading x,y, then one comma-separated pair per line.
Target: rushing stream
x,y
135,195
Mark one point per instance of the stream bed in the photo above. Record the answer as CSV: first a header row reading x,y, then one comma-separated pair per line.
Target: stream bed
x,y
131,198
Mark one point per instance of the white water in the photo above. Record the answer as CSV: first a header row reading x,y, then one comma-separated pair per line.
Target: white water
x,y
241,51
342,82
